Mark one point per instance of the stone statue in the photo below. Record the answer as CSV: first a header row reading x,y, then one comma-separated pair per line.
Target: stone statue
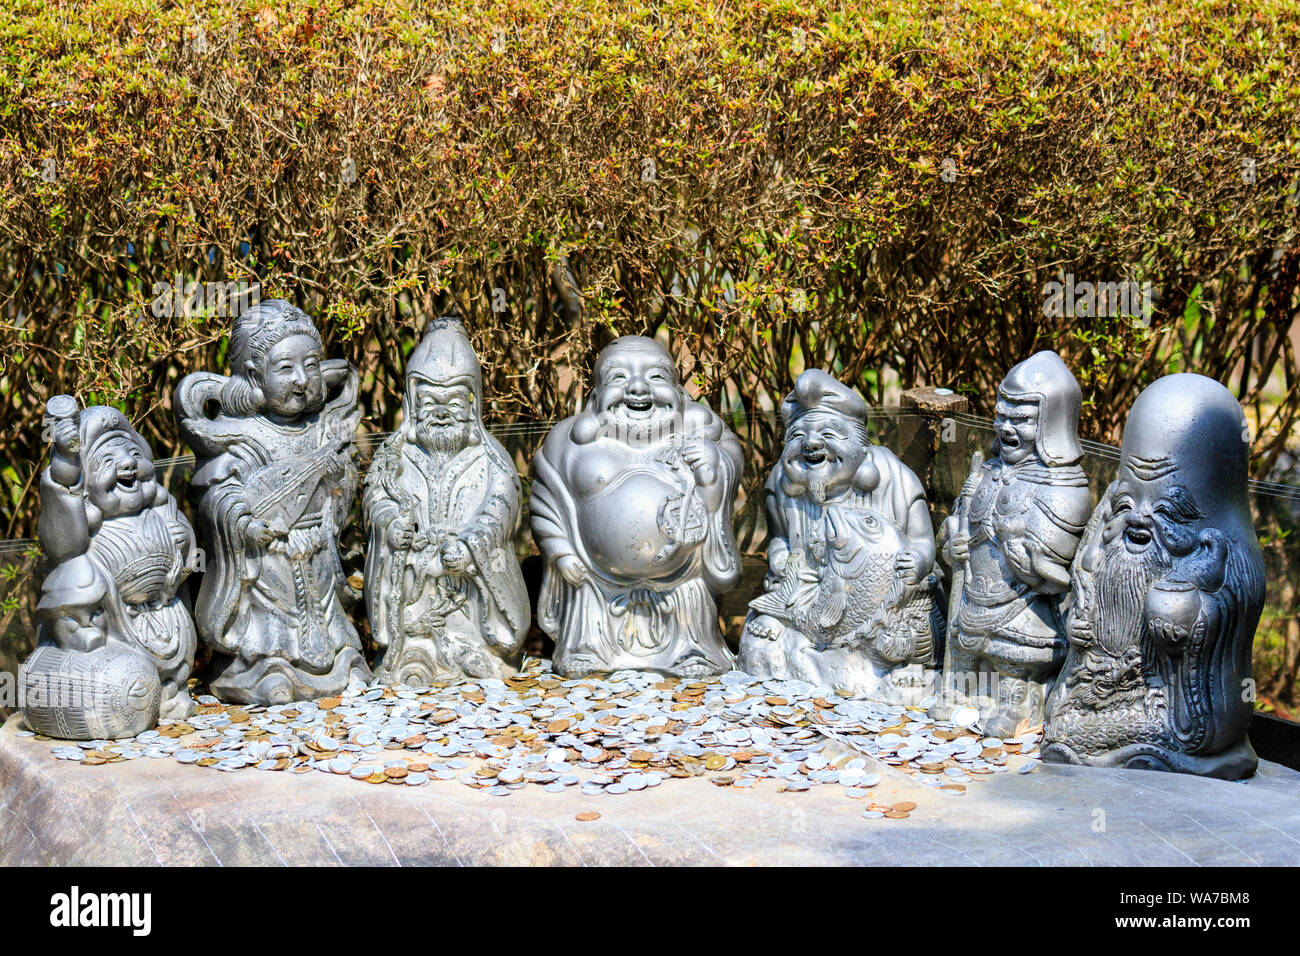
x,y
851,601
631,508
1010,540
1165,594
116,637
276,478
443,586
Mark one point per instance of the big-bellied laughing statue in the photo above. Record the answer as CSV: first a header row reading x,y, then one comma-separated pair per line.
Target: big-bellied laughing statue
x,y
631,508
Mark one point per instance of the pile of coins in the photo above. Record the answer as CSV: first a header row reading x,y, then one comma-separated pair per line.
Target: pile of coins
x,y
622,733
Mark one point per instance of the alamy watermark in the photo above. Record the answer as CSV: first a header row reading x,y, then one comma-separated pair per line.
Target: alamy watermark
x,y
217,299
1085,299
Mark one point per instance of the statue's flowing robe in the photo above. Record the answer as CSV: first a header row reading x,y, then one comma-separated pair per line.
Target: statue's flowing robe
x,y
475,497
134,556
660,623
283,601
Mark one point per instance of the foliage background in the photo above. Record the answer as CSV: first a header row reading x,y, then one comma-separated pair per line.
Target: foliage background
x,y
760,181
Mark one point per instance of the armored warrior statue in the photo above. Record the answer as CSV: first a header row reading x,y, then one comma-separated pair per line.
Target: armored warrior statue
x,y
631,507
116,638
442,501
851,600
276,475
1165,594
1010,540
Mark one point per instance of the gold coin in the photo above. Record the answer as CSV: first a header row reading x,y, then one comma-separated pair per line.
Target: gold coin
x,y
417,766
897,814
905,806
715,762
376,778
328,703
96,761
954,787
640,756
586,816
397,773
237,716
557,726
207,761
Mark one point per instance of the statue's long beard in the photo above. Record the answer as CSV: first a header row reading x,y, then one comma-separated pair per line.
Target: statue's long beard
x,y
443,440
1121,584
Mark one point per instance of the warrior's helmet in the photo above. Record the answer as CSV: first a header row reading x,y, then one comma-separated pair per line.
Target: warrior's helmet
x,y
1044,380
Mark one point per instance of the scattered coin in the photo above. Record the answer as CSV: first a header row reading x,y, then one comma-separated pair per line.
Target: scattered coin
x,y
619,734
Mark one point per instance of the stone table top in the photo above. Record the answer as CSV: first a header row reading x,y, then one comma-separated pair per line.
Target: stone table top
x,y
151,812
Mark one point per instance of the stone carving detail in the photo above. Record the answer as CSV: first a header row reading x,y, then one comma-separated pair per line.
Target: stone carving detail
x,y
116,638
1166,591
1010,539
851,601
276,478
631,507
442,502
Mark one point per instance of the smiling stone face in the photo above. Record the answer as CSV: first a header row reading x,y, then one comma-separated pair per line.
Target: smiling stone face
x,y
637,389
822,452
120,475
1155,511
290,378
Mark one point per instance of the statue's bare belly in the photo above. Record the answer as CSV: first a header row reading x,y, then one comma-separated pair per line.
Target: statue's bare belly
x,y
620,527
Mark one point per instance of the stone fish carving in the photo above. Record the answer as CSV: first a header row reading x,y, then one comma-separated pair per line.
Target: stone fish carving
x,y
116,639
631,508
1166,591
852,601
276,479
442,501
1010,539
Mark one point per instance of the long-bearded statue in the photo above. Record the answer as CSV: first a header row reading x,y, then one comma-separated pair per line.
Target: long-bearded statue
x,y
1166,591
276,478
631,508
851,601
442,501
115,627
1010,541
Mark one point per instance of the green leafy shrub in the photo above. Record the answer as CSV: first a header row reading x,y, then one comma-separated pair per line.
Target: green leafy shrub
x,y
882,188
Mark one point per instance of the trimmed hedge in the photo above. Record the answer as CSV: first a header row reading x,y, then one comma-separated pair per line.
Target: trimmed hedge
x,y
878,187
